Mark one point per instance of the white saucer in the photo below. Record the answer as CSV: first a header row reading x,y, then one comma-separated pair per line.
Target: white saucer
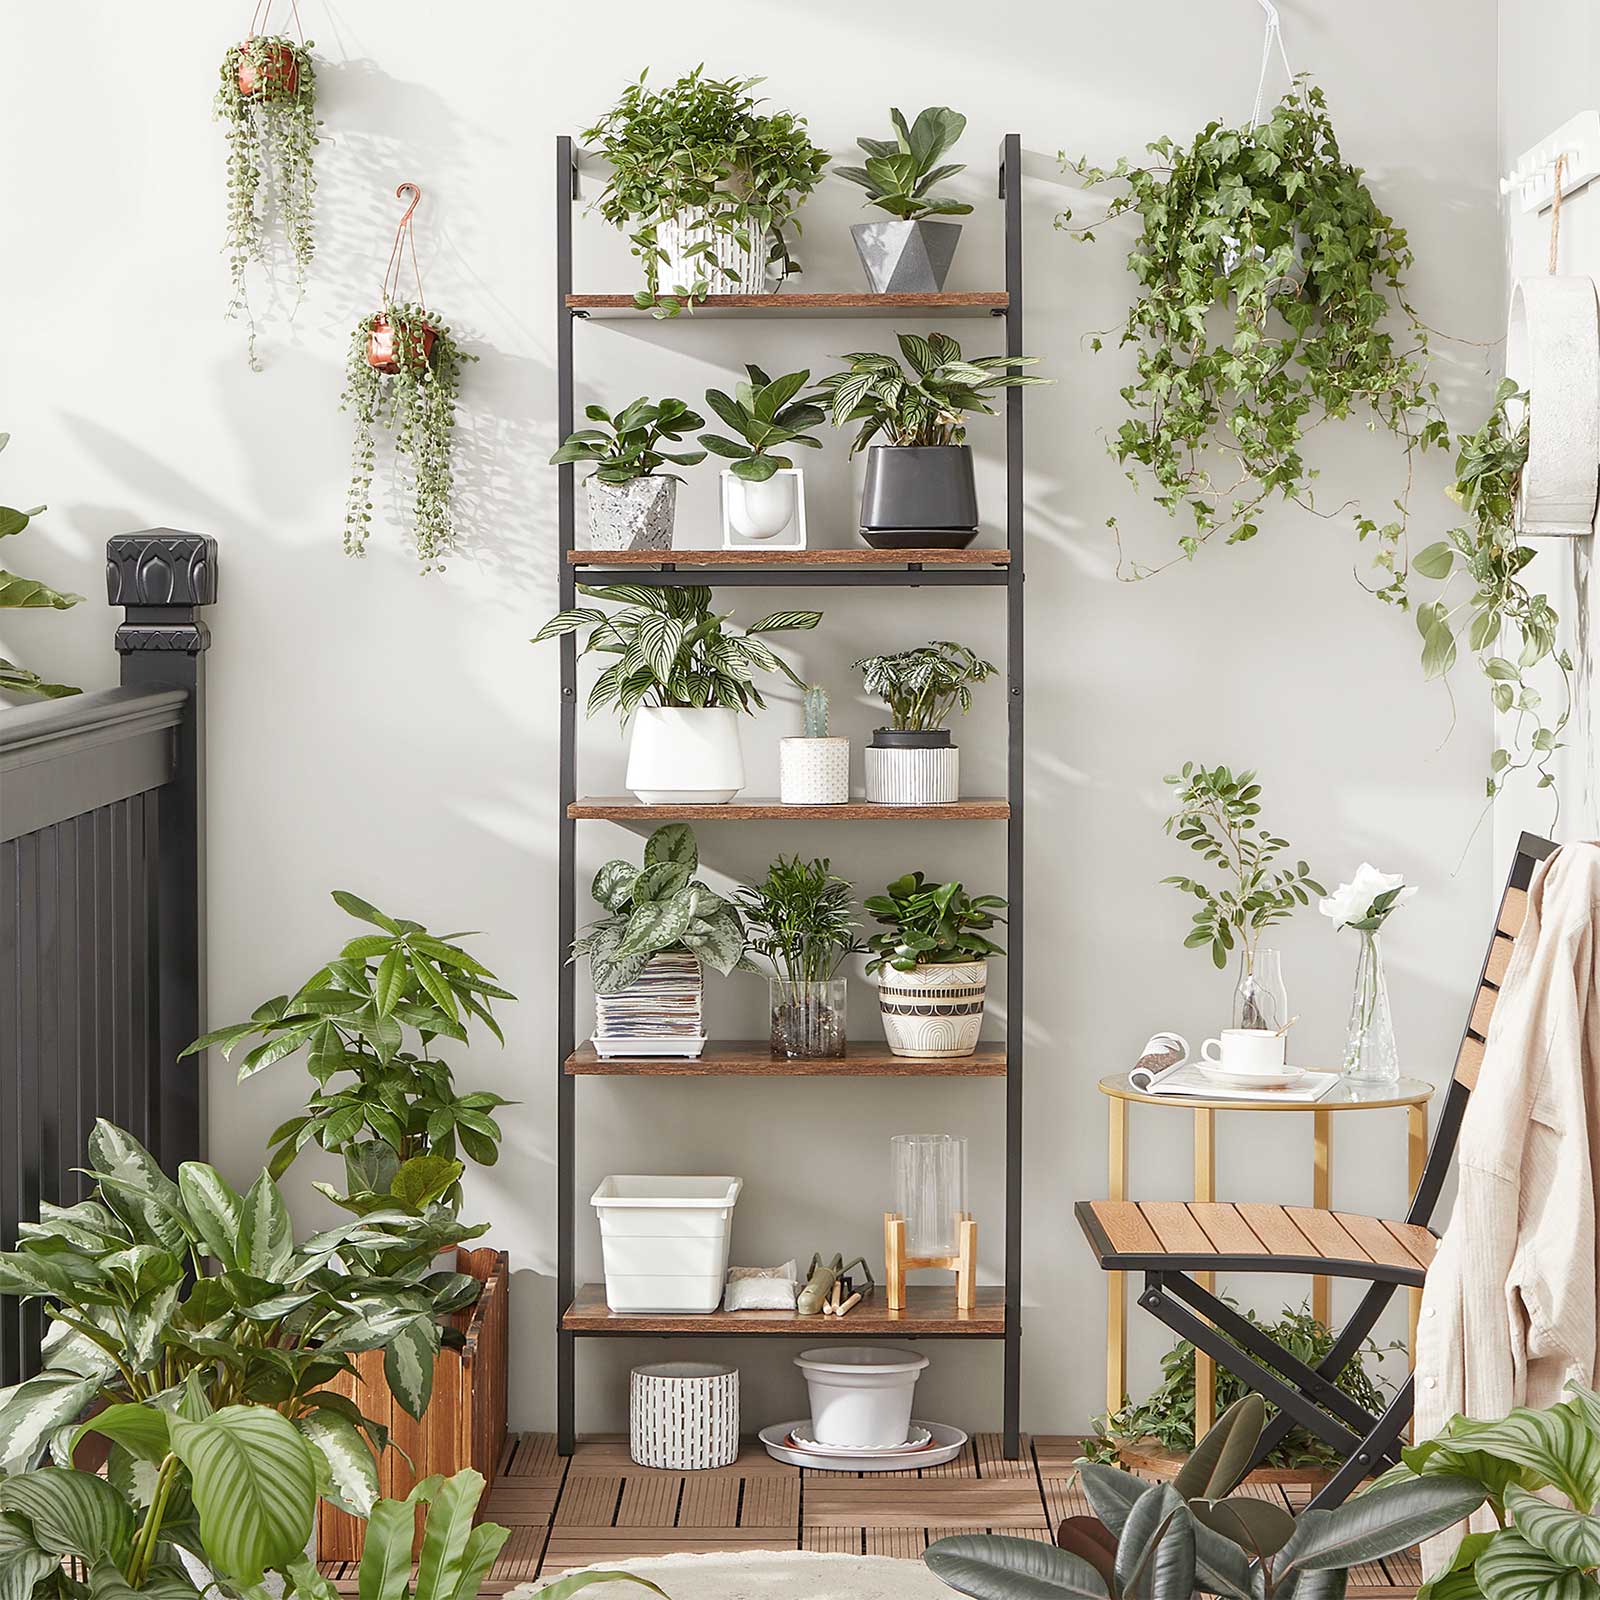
x,y
1251,1080
945,1444
802,1438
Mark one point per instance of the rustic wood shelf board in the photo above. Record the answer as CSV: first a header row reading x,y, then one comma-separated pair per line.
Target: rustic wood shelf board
x,y
599,1507
624,808
982,303
930,1312
753,1058
863,557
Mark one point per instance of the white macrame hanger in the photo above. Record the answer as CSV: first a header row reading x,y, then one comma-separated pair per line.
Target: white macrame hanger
x,y
1271,35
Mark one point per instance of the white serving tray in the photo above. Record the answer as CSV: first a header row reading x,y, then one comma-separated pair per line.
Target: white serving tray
x,y
945,1445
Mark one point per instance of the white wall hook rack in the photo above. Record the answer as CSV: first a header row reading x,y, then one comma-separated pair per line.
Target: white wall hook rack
x,y
1531,180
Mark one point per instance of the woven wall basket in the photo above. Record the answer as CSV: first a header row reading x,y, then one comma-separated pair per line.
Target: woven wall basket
x,y
1553,352
683,1415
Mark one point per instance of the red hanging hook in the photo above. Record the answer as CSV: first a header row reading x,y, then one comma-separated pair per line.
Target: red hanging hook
x,y
405,238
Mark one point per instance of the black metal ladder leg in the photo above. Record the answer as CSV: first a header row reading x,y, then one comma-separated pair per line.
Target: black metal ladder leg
x,y
1377,1450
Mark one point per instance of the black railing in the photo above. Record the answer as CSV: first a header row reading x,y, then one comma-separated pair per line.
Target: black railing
x,y
102,880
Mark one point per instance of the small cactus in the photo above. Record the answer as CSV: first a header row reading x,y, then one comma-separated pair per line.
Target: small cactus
x,y
816,712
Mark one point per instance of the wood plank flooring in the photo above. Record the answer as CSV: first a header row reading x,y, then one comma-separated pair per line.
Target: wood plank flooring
x,y
598,1506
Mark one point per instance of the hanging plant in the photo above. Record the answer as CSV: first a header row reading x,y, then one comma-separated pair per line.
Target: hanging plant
x,y
266,100
1510,629
403,375
1271,289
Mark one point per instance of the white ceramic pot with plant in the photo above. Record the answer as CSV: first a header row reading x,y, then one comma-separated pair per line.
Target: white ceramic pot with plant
x,y
814,768
684,676
763,492
932,964
705,180
914,762
631,500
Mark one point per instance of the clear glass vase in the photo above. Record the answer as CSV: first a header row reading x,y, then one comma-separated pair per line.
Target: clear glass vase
x,y
1260,999
807,1017
1369,1049
930,1189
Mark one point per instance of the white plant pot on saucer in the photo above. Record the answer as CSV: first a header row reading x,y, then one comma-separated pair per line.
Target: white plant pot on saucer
x,y
685,755
770,515
861,1394
814,772
936,1010
637,515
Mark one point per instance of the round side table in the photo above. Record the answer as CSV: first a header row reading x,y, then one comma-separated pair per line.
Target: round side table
x,y
1411,1093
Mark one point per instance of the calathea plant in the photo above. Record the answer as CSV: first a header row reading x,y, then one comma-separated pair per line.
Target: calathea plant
x,y
1268,229
28,594
267,101
187,1297
657,908
390,1111
923,686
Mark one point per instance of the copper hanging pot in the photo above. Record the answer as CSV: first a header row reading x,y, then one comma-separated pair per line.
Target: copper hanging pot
x,y
381,335
275,77
380,344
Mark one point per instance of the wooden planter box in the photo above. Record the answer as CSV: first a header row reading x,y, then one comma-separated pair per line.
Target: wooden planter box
x,y
465,1423
1155,1461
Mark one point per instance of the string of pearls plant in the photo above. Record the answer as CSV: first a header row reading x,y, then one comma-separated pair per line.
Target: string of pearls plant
x,y
266,100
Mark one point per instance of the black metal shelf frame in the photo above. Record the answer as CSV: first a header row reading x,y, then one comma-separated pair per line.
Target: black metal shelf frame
x,y
1010,577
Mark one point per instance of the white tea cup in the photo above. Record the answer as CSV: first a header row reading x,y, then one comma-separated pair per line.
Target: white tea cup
x,y
1246,1051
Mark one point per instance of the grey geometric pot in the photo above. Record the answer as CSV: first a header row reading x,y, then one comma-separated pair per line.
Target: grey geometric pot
x,y
906,257
632,516
919,487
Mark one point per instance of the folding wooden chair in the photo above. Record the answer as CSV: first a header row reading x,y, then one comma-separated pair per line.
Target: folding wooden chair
x,y
1169,1245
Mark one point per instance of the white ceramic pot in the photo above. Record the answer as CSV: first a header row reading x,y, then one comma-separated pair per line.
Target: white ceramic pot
x,y
936,1010
681,755
912,769
814,772
683,1415
681,270
860,1394
770,512
632,516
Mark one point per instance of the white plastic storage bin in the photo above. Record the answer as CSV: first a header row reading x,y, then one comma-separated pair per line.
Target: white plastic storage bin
x,y
665,1241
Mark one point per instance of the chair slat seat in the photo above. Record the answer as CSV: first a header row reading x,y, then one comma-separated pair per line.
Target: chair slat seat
x,y
1195,1236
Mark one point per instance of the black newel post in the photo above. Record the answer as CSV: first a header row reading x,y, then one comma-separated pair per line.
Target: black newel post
x,y
162,578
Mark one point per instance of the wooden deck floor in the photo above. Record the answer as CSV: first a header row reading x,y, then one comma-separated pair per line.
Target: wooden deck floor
x,y
598,1507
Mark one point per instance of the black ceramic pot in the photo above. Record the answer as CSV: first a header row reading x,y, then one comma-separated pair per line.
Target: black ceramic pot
x,y
910,739
921,487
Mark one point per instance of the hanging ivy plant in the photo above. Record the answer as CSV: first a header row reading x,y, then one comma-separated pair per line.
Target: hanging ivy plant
x,y
1271,289
403,375
266,101
1510,629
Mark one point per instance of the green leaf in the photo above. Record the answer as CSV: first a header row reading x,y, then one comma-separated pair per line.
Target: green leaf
x,y
424,1178
357,907
1221,1459
215,1209
135,1187
565,1587
23,1562
992,1566
1438,650
266,1235
391,982
141,1430
1380,1523
353,1474
613,884
1558,1444
386,1552
32,1411
1436,561
1570,1538
71,1513
1513,1569
408,1363
1155,1551
673,842
441,1561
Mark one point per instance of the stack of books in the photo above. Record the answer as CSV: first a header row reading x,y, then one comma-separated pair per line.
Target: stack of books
x,y
659,1014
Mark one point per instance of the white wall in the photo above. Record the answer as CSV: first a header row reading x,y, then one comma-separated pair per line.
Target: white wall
x,y
395,735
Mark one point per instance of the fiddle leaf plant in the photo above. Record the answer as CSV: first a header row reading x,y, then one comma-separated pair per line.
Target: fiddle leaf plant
x,y
28,594
900,172
412,397
628,445
1486,604
657,908
391,1111
267,103
1270,299
766,415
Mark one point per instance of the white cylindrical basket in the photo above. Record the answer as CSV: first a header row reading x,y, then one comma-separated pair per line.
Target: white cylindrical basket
x,y
683,1415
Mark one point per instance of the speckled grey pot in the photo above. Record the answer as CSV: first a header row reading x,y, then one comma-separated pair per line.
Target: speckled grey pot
x,y
906,257
632,516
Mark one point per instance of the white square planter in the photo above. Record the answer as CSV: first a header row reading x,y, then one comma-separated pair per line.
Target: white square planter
x,y
764,516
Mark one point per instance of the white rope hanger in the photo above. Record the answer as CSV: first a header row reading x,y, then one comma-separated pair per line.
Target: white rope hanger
x,y
1272,34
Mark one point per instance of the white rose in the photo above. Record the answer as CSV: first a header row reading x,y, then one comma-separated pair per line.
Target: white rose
x,y
1352,902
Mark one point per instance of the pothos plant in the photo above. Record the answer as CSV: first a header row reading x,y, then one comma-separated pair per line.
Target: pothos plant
x,y
1509,627
1271,299
391,1112
267,100
28,594
403,374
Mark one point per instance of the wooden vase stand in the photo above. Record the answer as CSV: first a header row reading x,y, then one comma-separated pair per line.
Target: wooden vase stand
x,y
964,1263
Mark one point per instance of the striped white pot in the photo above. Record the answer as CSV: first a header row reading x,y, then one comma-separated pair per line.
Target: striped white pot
x,y
900,777
814,772
680,271
934,1011
683,1415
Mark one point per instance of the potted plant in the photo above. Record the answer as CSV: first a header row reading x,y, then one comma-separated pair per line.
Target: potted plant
x,y
645,955
933,964
403,374
27,594
763,492
913,762
814,769
396,1121
909,254
706,185
267,100
1218,817
919,489
799,920
686,675
631,501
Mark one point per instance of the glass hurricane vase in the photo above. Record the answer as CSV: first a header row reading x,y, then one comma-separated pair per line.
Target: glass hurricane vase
x,y
807,1017
1370,1055
1260,999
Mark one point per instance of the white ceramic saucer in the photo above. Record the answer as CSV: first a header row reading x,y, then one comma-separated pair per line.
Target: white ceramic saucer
x,y
802,1438
1251,1080
945,1444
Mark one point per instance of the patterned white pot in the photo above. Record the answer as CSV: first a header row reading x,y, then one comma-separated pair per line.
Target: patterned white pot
x,y
683,1415
934,1011
814,772
929,776
632,516
680,270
